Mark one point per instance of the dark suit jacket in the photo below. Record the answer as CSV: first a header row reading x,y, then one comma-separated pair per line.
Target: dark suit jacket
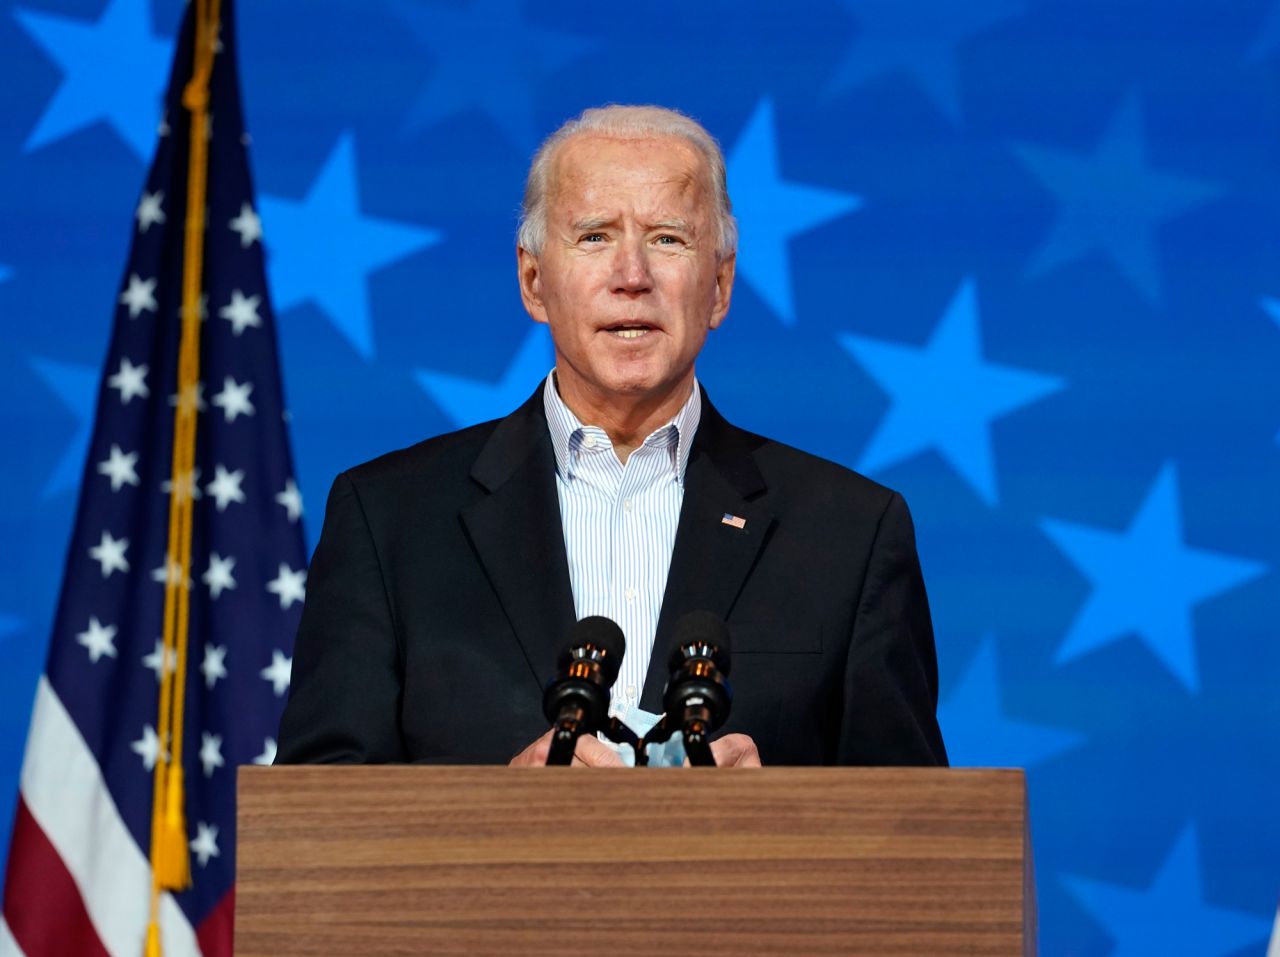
x,y
439,600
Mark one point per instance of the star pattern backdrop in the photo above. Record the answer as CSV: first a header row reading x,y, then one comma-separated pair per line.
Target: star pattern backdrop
x,y
1019,259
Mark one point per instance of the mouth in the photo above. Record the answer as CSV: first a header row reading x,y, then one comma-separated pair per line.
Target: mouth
x,y
629,330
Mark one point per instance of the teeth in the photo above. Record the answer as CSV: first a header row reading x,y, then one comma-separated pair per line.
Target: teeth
x,y
630,333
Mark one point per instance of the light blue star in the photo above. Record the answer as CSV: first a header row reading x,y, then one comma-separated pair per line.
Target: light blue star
x,y
944,395
1146,580
468,401
772,211
1111,201
323,248
1268,39
920,39
10,625
114,70
978,733
77,387
487,58
1171,915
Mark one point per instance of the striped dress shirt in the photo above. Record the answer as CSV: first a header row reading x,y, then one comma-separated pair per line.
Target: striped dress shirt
x,y
620,524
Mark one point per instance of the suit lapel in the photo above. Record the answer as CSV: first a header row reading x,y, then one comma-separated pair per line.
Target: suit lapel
x,y
517,534
711,560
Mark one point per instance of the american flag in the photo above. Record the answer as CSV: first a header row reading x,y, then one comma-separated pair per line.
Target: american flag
x,y
79,875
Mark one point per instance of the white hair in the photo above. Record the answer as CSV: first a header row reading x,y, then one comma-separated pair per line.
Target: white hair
x,y
625,122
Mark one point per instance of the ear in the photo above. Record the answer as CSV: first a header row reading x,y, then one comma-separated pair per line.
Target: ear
x,y
724,288
529,271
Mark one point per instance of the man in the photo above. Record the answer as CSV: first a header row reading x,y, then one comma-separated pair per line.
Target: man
x,y
448,574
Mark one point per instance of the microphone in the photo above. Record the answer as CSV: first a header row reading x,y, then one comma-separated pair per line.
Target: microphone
x,y
576,701
698,694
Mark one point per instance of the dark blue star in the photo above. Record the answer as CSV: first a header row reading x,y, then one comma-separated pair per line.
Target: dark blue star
x,y
469,401
1268,39
1171,915
114,70
977,731
323,248
771,211
77,387
1110,200
944,395
920,39
1146,580
486,58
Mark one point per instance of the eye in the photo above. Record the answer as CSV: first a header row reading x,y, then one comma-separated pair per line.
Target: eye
x,y
666,239
592,238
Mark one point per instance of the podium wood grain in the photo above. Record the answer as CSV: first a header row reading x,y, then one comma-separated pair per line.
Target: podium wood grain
x,y
711,861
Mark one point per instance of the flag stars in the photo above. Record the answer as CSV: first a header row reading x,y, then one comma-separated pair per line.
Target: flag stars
x,y
248,225
147,747
210,752
279,673
98,639
218,576
289,585
109,553
159,659
139,296
225,487
242,312
187,486
150,210
131,380
268,755
233,400
170,573
205,844
189,398
291,499
119,467
214,665
202,308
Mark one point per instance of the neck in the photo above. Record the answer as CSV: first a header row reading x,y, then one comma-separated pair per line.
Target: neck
x,y
627,422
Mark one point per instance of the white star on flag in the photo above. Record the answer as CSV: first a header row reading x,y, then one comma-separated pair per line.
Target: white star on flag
x,y
119,467
157,656
210,752
131,380
170,571
225,487
233,400
140,296
150,210
99,639
289,585
205,844
268,755
188,486
291,499
190,396
242,311
109,552
278,673
248,225
148,747
202,308
214,665
218,576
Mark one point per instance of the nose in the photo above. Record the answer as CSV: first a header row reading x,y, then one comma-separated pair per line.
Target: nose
x,y
631,268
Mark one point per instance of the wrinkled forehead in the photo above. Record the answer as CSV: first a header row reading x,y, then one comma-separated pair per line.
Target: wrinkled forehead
x,y
594,168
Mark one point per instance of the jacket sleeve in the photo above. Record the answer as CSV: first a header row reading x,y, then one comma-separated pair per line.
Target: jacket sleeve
x,y
891,675
345,693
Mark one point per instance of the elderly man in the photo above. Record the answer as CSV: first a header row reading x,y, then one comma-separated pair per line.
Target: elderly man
x,y
449,574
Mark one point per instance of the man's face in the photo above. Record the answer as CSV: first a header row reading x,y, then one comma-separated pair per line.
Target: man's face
x,y
628,277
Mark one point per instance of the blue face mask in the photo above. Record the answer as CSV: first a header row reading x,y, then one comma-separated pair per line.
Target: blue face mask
x,y
668,754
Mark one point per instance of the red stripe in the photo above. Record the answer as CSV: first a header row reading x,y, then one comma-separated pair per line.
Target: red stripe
x,y
41,901
215,931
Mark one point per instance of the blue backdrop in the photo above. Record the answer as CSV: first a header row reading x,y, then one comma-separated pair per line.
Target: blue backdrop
x,y
1019,260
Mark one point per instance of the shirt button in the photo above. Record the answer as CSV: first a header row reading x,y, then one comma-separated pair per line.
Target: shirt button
x,y
626,505
589,441
631,594
631,691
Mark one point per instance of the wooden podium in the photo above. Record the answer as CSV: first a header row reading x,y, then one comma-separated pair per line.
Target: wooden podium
x,y
708,861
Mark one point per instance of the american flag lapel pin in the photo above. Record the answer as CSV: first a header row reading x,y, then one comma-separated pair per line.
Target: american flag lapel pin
x,y
735,521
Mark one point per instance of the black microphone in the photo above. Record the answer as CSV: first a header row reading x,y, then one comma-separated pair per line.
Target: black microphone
x,y
698,694
576,701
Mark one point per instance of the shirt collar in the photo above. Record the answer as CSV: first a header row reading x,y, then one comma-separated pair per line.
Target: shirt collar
x,y
567,431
